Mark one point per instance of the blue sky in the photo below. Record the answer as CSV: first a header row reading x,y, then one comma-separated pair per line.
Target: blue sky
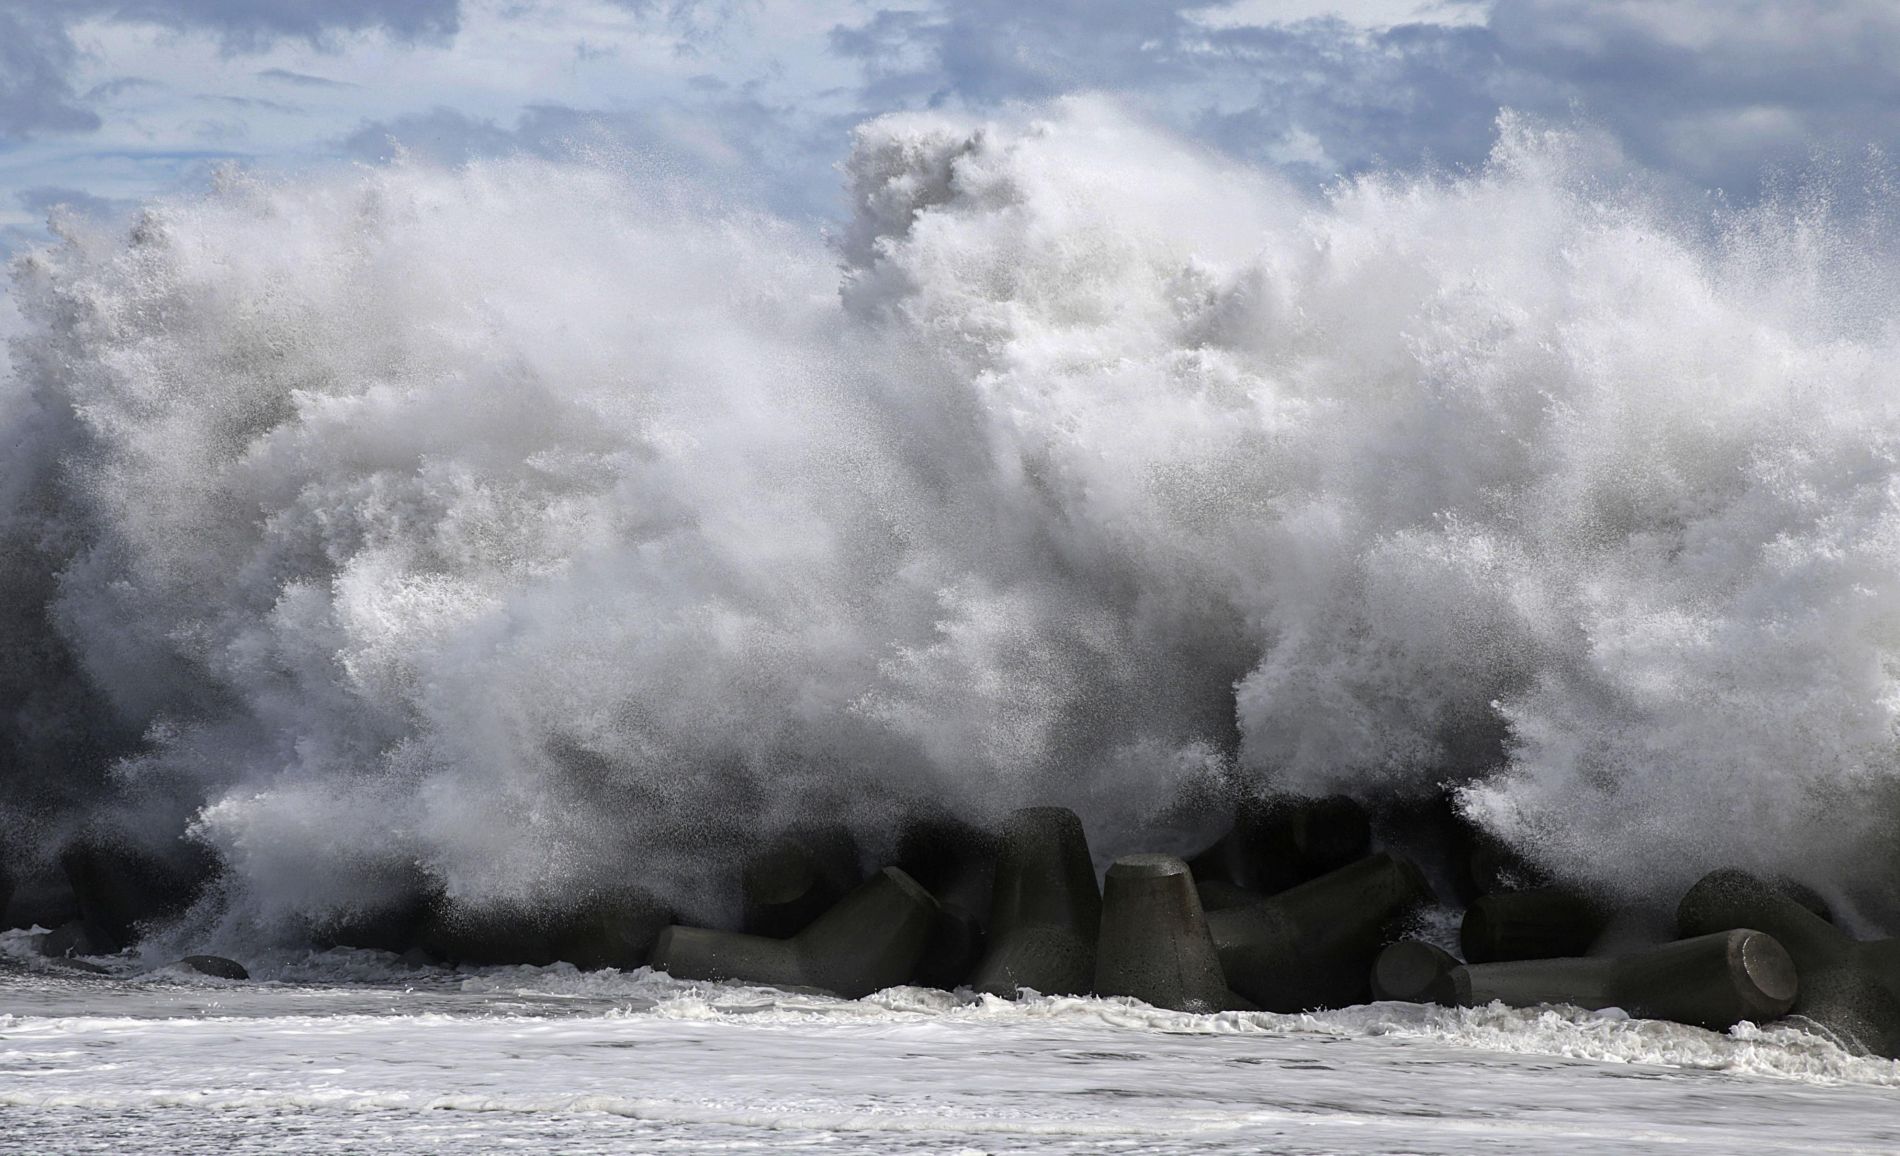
x,y
106,102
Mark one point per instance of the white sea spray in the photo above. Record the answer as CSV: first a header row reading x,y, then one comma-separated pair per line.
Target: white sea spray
x,y
529,526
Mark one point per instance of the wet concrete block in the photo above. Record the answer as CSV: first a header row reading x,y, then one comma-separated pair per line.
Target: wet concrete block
x,y
1046,910
605,927
955,862
1282,842
870,940
1713,981
1462,861
41,899
1849,987
1542,923
1413,971
705,953
1154,943
1313,946
610,927
1218,895
72,939
796,879
120,884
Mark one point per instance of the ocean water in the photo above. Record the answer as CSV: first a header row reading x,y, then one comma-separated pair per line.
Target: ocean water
x,y
350,1052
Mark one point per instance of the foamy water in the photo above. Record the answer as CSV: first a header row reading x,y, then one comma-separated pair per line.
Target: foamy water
x,y
350,1051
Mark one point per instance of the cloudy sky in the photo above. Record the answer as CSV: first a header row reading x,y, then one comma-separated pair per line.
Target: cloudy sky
x,y
106,102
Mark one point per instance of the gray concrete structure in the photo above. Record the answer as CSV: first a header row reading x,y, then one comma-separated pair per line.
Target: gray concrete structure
x,y
1849,987
607,927
72,939
1154,944
1542,923
1413,971
1462,861
121,884
1713,981
611,927
796,879
1046,911
1218,895
871,940
955,862
1313,946
1282,842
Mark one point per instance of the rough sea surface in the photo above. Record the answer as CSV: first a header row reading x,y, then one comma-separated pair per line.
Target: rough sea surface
x,y
351,1052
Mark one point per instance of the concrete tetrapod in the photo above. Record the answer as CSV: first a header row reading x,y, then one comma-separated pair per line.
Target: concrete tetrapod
x,y
870,940
1542,923
1280,843
1464,861
1046,912
121,885
607,927
797,879
1313,946
1155,944
1413,971
1711,981
1849,987
956,863
1218,894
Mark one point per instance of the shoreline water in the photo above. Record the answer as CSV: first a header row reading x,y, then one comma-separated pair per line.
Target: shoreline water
x,y
387,1058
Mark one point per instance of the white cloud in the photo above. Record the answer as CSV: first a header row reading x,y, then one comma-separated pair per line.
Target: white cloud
x,y
1364,13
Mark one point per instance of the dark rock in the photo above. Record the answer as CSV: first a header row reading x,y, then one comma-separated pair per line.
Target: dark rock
x,y
797,879
1280,843
1046,913
1849,987
1313,946
215,966
1154,943
80,965
1713,981
1543,923
871,940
